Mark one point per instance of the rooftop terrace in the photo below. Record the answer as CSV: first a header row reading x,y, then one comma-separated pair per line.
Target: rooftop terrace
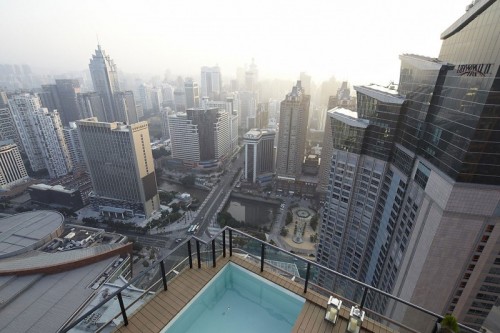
x,y
190,266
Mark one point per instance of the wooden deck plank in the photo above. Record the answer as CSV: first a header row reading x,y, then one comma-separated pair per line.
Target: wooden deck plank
x,y
164,306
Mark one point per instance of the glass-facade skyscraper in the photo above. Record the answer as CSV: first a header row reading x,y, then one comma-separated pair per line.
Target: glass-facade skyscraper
x,y
413,199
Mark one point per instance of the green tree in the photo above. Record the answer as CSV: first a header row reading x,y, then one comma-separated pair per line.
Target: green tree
x,y
175,207
188,180
284,232
289,218
449,324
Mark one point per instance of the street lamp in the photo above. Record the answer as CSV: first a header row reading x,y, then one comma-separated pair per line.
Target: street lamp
x,y
332,309
355,319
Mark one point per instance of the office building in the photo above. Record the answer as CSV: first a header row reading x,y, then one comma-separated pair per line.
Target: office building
x,y
259,155
126,110
179,100
248,108
67,91
200,135
156,101
294,112
184,138
105,80
230,106
211,82
262,115
165,132
145,97
251,77
12,170
120,163
91,105
192,94
414,209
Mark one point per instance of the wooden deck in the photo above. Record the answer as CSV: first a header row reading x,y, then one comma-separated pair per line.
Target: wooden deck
x,y
158,312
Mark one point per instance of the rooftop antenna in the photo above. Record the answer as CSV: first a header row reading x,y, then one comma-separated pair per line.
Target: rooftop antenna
x,y
98,44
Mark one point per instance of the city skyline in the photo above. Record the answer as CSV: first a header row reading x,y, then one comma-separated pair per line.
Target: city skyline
x,y
175,37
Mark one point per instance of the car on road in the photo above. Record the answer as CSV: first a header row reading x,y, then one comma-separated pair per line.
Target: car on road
x,y
178,240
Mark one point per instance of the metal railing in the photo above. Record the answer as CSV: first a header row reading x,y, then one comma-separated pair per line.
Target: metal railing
x,y
207,252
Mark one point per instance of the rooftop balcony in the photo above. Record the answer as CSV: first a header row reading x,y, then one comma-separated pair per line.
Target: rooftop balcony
x,y
181,274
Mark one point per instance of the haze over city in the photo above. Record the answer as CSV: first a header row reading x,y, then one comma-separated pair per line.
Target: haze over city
x,y
357,41
280,166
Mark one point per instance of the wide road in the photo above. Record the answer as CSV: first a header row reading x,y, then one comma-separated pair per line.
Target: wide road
x,y
208,212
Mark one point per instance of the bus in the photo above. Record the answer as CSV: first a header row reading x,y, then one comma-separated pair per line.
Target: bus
x,y
193,228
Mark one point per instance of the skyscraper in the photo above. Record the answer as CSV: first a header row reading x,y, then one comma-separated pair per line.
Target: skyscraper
x,y
105,80
412,204
7,127
200,135
294,112
41,135
230,105
211,82
67,91
192,93
259,155
125,105
74,146
90,105
165,132
121,167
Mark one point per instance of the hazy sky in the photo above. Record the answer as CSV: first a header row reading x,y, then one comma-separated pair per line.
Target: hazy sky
x,y
357,40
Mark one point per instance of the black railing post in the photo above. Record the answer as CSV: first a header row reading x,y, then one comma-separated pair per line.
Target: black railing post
x,y
224,243
262,252
190,255
122,307
163,277
230,243
307,277
363,299
437,326
213,252
198,254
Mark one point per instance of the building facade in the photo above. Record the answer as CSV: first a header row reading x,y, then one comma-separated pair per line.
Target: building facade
x,y
105,80
126,110
415,211
12,170
120,163
294,112
200,136
41,135
8,129
74,146
211,82
259,155
91,105
192,94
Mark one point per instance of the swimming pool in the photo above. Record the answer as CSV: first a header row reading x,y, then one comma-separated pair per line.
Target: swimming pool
x,y
237,300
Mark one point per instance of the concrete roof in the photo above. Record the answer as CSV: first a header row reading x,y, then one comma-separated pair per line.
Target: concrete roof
x,y
42,303
23,232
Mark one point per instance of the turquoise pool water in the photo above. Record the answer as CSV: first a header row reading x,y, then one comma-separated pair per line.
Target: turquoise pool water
x,y
237,300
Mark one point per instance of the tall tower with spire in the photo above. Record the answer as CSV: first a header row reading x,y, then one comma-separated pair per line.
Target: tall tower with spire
x,y
105,80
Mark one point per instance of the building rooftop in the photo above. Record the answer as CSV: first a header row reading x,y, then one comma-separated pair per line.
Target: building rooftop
x,y
348,117
381,93
48,272
185,278
21,233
